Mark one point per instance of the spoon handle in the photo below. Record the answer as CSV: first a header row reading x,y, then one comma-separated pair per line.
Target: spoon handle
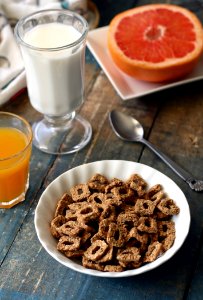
x,y
176,168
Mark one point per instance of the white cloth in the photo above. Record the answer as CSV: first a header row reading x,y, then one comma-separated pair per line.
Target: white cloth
x,y
12,74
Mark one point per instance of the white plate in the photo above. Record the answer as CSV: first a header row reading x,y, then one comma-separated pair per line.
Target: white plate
x,y
110,168
127,87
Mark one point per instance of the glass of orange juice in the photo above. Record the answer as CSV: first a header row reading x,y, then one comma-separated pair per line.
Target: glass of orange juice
x,y
15,151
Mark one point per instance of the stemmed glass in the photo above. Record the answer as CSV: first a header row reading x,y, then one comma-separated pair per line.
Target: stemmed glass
x,y
53,46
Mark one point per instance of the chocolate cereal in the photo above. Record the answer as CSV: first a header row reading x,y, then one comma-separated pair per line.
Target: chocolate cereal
x,y
113,225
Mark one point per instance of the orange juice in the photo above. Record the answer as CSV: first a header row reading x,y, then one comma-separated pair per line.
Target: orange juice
x,y
15,150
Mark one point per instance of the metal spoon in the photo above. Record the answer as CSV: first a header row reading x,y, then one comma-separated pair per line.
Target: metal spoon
x,y
129,129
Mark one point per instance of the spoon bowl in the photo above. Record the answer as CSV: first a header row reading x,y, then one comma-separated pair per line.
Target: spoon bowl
x,y
126,127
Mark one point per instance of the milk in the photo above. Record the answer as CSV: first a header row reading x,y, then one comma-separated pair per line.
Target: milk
x,y
54,75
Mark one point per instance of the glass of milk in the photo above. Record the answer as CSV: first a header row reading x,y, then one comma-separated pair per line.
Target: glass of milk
x,y
53,46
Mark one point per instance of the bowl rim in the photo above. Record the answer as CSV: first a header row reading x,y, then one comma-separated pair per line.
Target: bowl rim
x,y
70,263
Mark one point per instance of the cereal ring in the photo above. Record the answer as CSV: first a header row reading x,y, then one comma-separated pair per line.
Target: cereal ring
x,y
75,206
98,183
147,224
116,235
144,207
104,227
97,199
71,228
114,200
71,215
123,192
168,241
107,257
80,192
139,236
152,191
129,254
56,223
62,205
128,220
109,212
168,207
88,212
154,250
68,243
158,196
137,183
115,182
165,228
96,250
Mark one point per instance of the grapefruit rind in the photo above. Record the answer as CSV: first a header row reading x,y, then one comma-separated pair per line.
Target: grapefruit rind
x,y
167,70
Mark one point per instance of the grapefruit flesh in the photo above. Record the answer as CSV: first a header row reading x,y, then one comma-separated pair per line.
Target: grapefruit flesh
x,y
157,42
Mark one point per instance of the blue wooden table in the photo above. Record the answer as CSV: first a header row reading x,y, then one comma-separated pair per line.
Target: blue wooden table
x,y
173,120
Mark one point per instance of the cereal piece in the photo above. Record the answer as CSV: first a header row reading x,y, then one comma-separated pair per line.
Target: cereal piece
x,y
114,200
144,207
147,224
71,228
168,207
138,184
123,192
104,227
129,254
96,250
109,212
165,228
98,183
115,182
128,220
92,265
154,250
68,243
168,241
116,235
75,206
107,257
140,236
88,212
152,191
97,199
56,223
62,205
113,268
80,192
71,215
158,196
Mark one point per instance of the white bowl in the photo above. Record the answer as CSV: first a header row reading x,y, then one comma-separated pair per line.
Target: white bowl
x,y
110,168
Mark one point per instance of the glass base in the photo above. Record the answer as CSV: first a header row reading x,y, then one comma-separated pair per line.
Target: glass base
x,y
62,135
17,200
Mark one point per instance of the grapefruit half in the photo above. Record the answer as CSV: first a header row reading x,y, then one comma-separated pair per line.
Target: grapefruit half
x,y
157,42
